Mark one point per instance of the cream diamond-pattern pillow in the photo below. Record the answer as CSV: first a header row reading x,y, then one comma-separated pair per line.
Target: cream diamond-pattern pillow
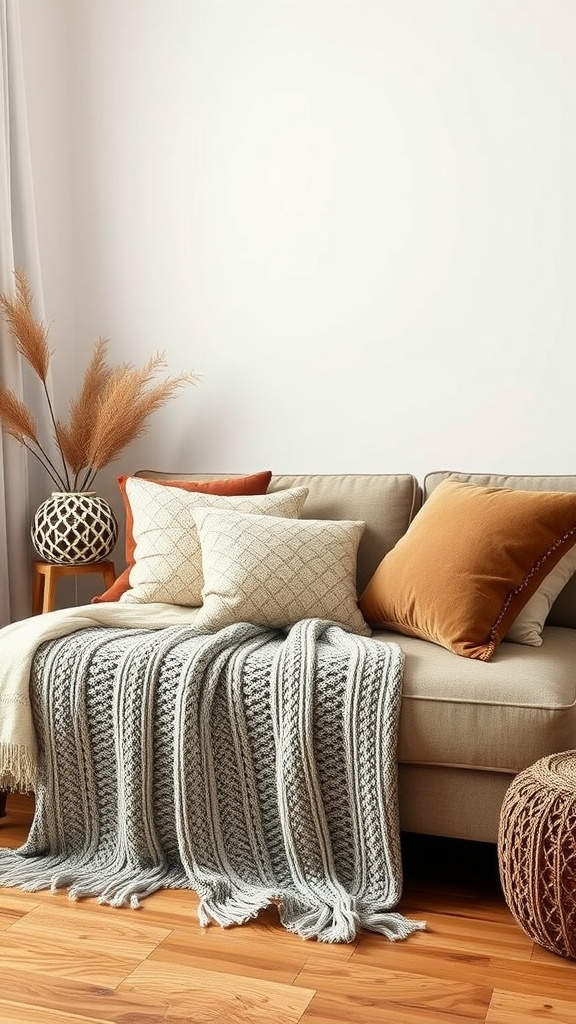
x,y
168,560
274,572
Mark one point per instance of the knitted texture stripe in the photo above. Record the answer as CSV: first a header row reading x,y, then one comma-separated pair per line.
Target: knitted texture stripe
x,y
250,765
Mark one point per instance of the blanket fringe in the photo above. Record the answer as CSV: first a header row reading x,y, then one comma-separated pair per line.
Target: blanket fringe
x,y
115,887
342,921
29,873
18,768
337,923
393,926
127,887
230,911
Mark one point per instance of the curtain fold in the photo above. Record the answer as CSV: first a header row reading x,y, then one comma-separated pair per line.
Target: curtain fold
x,y
18,248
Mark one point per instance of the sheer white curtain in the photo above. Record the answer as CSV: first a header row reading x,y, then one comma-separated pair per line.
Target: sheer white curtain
x,y
18,248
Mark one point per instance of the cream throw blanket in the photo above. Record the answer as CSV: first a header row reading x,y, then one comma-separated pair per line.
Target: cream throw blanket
x,y
18,645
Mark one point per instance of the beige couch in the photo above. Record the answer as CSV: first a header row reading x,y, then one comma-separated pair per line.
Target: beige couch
x,y
467,727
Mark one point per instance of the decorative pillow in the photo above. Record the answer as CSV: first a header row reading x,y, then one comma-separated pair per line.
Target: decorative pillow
x,y
470,560
257,483
274,572
167,557
527,627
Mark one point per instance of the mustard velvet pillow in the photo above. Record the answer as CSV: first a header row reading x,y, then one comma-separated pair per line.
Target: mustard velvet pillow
x,y
469,562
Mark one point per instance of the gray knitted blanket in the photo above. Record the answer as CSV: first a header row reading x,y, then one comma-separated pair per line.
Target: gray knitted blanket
x,y
250,765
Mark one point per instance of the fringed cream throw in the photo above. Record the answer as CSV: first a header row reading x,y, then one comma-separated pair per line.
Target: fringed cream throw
x,y
249,765
18,644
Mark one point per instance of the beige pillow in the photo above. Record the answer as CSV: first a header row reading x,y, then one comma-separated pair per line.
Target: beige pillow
x,y
527,628
274,572
167,558
469,562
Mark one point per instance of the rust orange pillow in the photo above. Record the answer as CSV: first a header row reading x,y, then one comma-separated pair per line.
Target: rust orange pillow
x,y
256,483
471,559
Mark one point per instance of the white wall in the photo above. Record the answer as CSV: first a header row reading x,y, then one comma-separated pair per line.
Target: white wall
x,y
355,218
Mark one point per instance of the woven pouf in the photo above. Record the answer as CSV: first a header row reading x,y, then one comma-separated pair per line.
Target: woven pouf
x,y
537,851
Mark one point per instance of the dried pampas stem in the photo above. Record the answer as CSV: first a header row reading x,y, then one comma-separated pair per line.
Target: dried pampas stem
x,y
111,410
31,336
20,424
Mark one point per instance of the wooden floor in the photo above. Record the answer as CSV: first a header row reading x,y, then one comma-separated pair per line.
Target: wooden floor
x,y
66,963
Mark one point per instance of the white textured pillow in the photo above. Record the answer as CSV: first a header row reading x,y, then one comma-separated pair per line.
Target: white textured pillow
x,y
527,627
167,557
274,572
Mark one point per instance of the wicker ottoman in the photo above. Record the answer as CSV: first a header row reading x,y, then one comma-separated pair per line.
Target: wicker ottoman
x,y
537,851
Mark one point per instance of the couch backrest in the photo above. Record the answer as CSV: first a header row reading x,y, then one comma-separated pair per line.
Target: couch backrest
x,y
385,502
563,611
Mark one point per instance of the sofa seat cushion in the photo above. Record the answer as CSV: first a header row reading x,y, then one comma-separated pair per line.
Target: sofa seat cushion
x,y
501,715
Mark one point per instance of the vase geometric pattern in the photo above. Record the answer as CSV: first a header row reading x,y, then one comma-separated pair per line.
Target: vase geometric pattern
x,y
74,528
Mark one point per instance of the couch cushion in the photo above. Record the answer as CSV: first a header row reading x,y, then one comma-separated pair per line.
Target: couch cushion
x,y
385,502
563,610
500,716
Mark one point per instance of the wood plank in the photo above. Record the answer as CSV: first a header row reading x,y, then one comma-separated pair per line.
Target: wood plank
x,y
460,964
333,1009
13,906
377,994
25,993
421,902
450,932
234,954
259,949
209,995
88,945
512,1008
62,958
546,956
15,1014
98,929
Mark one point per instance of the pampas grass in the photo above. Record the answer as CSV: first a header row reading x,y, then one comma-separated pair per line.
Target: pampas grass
x,y
111,410
31,337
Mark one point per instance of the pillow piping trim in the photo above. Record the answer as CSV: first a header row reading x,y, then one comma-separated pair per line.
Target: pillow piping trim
x,y
493,640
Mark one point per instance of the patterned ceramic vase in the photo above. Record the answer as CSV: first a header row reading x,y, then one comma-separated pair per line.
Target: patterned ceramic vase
x,y
74,528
